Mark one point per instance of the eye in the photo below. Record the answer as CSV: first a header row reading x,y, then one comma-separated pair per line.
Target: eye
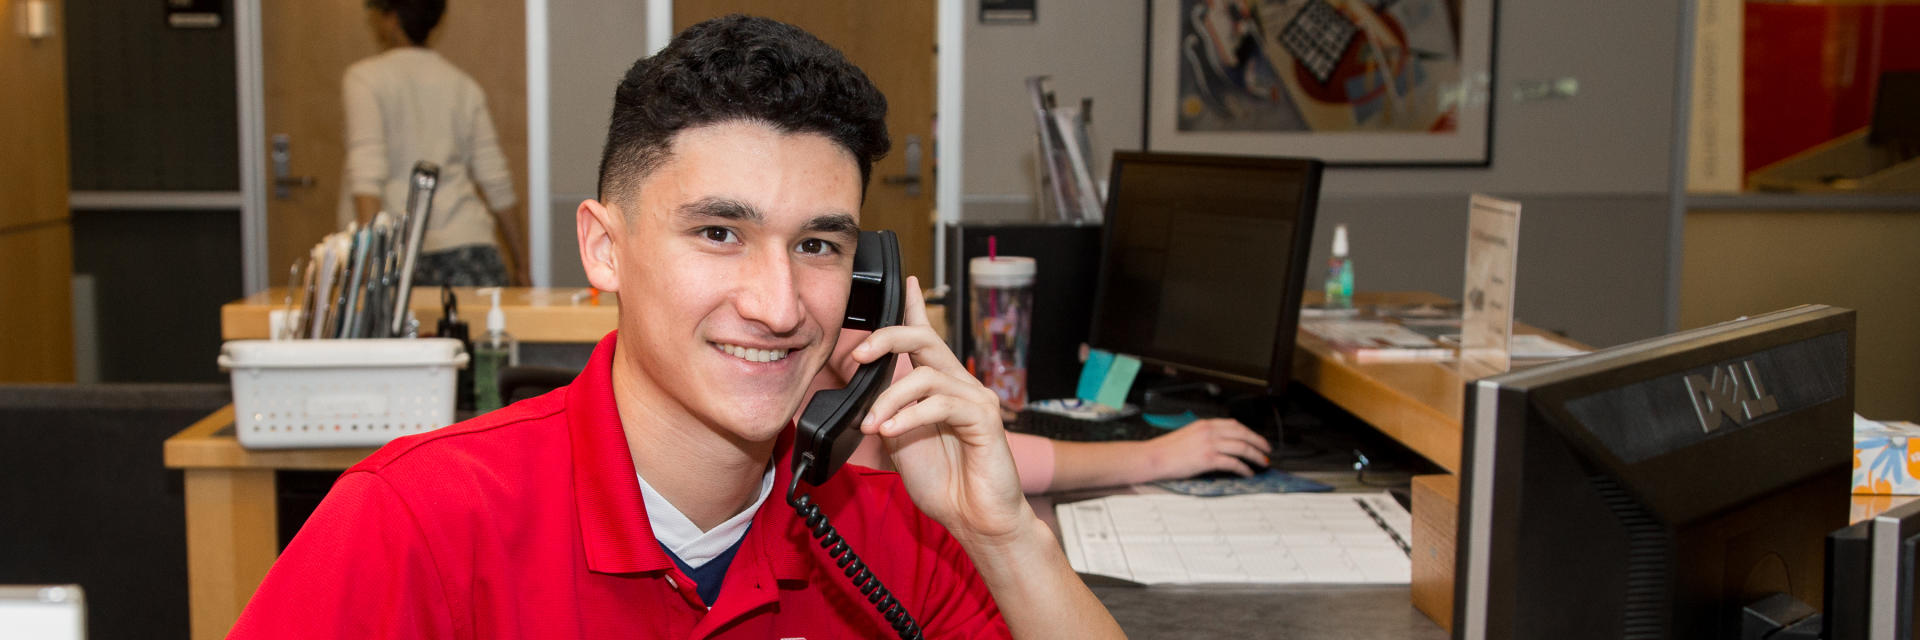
x,y
816,246
719,234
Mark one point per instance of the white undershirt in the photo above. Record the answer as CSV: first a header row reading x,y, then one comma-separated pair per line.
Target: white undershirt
x,y
684,538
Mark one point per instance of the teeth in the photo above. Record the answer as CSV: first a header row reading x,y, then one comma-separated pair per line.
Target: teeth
x,y
753,355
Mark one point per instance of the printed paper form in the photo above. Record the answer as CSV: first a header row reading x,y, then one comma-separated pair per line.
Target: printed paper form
x,y
1337,538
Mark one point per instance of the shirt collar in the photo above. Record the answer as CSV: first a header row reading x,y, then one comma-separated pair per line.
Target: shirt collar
x,y
614,530
680,535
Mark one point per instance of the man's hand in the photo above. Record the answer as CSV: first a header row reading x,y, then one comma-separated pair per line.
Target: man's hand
x,y
942,429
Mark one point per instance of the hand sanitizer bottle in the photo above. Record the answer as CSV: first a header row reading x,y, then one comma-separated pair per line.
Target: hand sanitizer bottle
x,y
1339,272
492,352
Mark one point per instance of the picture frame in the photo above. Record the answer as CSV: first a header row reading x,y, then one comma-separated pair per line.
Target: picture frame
x,y
1381,83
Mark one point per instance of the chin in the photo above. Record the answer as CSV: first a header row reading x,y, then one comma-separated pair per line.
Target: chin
x,y
758,420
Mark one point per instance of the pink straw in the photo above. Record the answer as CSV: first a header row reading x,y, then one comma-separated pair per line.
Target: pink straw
x,y
993,296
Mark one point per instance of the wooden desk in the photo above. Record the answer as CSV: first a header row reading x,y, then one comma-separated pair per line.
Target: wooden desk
x,y
1415,403
232,523
1418,404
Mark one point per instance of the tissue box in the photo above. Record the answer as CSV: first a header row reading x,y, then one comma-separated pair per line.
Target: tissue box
x,y
1886,457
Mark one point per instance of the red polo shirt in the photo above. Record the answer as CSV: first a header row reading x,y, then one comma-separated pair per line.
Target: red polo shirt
x,y
528,522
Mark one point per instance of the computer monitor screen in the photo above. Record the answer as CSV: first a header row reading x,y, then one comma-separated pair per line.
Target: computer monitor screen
x,y
1204,262
1655,489
50,612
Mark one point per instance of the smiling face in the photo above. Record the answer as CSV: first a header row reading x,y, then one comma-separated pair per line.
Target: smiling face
x,y
733,260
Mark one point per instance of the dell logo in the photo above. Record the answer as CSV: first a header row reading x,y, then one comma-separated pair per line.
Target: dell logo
x,y
1733,392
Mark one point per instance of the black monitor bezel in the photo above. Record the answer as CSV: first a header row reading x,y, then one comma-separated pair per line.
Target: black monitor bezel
x,y
1505,405
1280,365
1552,387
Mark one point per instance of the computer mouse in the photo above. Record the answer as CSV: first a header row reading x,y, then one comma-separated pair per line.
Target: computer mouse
x,y
1229,475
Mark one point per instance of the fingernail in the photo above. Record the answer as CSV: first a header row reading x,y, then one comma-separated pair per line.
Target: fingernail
x,y
867,421
886,425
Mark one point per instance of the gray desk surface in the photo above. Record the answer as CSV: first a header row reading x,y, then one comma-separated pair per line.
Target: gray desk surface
x,y
1222,611
1319,612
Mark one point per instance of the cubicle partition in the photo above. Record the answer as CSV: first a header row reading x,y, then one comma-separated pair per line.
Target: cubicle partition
x,y
87,501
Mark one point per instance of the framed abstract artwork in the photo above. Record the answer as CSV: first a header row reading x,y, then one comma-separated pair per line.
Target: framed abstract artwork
x,y
1351,82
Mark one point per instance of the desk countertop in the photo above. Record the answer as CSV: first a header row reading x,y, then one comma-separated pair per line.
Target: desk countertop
x,y
1418,404
1310,611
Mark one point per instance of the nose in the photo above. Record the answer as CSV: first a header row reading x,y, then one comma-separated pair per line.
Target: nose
x,y
768,296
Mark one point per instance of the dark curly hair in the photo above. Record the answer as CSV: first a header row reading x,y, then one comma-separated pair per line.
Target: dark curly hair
x,y
417,17
739,68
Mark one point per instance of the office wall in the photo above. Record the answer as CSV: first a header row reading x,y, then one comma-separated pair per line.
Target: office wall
x,y
1746,262
590,47
1593,171
1091,49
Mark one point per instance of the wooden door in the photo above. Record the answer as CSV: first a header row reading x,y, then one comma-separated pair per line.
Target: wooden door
x,y
306,48
892,40
36,236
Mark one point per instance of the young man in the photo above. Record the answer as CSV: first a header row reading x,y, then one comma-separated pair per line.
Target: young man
x,y
646,499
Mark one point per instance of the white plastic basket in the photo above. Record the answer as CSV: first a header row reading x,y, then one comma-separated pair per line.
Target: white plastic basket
x,y
291,394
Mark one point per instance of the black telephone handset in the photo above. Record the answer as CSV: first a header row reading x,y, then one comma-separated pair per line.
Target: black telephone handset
x,y
829,426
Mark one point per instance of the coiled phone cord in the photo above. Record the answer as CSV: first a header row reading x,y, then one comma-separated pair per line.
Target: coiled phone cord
x,y
848,561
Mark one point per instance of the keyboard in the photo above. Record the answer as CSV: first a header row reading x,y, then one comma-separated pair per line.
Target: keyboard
x,y
1059,427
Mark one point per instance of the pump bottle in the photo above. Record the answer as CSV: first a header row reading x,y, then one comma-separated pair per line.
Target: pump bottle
x,y
1339,272
492,352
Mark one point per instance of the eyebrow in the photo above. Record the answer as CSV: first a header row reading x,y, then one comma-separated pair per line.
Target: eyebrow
x,y
722,208
836,223
833,223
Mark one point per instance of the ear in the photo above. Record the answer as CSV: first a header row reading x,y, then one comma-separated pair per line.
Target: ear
x,y
597,226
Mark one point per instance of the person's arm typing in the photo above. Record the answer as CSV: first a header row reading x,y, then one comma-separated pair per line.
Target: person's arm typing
x,y
1205,445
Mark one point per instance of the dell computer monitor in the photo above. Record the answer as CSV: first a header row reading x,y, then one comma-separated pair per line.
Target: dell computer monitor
x,y
1204,262
1655,489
